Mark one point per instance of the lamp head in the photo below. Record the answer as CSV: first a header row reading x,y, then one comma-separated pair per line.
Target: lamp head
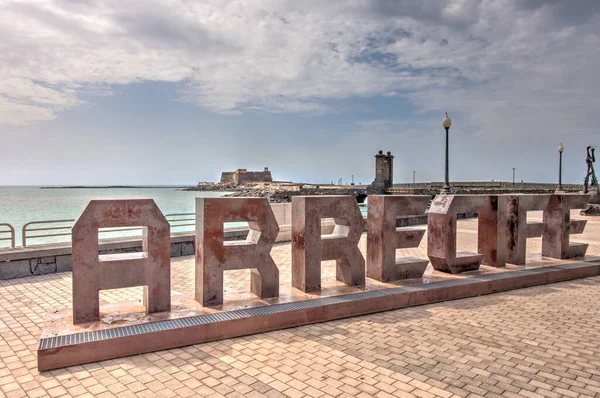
x,y
446,122
561,148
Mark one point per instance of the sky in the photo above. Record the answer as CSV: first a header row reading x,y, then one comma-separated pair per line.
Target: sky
x,y
174,92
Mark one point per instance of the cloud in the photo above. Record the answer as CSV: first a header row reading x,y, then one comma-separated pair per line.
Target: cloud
x,y
503,66
15,113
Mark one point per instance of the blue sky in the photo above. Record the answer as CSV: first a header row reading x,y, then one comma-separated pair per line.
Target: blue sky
x,y
173,93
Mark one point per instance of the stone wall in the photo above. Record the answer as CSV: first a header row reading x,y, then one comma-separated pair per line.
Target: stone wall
x,y
481,188
254,176
525,186
227,177
243,176
50,259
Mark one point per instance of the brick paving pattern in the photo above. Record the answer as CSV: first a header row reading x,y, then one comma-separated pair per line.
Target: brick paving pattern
x,y
537,342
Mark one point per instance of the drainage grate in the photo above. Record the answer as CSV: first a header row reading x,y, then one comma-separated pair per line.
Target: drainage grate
x,y
454,282
540,270
132,330
506,275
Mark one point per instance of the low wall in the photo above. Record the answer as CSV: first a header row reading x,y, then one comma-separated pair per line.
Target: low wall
x,y
50,259
528,186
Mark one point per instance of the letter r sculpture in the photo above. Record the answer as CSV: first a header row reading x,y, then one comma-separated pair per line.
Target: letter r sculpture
x,y
309,248
214,255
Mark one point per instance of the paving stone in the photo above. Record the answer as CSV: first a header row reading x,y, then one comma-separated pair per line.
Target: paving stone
x,y
540,341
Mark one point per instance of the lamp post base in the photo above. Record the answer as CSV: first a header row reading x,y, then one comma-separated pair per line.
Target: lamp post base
x,y
559,189
446,190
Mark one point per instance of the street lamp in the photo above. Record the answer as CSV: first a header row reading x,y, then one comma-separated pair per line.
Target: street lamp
x,y
513,176
561,148
414,176
446,122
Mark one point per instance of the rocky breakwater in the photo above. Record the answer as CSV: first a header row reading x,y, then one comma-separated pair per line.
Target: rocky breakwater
x,y
593,207
273,196
232,189
279,194
285,196
210,187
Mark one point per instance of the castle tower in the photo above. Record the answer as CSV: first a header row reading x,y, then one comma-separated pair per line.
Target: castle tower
x,y
384,173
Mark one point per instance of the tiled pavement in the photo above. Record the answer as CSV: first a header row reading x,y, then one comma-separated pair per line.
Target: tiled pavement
x,y
537,342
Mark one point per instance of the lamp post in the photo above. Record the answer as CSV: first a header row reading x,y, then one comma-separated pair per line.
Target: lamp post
x,y
446,122
513,176
414,180
561,148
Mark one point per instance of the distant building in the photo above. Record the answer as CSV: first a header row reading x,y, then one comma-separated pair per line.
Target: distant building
x,y
243,176
384,177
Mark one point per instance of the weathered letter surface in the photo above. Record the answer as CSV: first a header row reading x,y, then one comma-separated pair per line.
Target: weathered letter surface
x,y
514,230
214,255
309,248
93,272
559,226
384,238
441,231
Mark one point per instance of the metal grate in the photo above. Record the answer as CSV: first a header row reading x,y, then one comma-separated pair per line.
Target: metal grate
x,y
132,330
507,275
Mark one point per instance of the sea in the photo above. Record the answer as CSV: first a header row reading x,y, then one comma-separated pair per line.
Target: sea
x,y
19,205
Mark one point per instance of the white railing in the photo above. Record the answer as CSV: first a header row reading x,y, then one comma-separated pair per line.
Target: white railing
x,y
52,228
6,228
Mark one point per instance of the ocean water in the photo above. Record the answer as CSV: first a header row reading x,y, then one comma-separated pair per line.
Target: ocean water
x,y
19,205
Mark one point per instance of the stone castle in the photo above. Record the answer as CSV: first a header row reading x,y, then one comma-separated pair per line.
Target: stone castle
x,y
243,176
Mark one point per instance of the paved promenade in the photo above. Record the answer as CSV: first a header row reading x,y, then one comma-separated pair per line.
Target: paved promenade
x,y
537,342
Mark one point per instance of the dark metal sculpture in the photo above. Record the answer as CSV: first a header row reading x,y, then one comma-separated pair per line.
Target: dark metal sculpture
x,y
590,159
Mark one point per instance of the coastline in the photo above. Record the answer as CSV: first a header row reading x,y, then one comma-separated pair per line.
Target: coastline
x,y
110,186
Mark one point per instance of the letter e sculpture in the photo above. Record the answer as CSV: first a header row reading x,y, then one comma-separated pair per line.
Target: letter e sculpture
x,y
559,226
384,238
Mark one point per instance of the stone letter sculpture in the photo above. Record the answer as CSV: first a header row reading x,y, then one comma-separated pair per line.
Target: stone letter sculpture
x,y
513,226
214,255
441,235
488,234
309,248
559,226
384,238
93,272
